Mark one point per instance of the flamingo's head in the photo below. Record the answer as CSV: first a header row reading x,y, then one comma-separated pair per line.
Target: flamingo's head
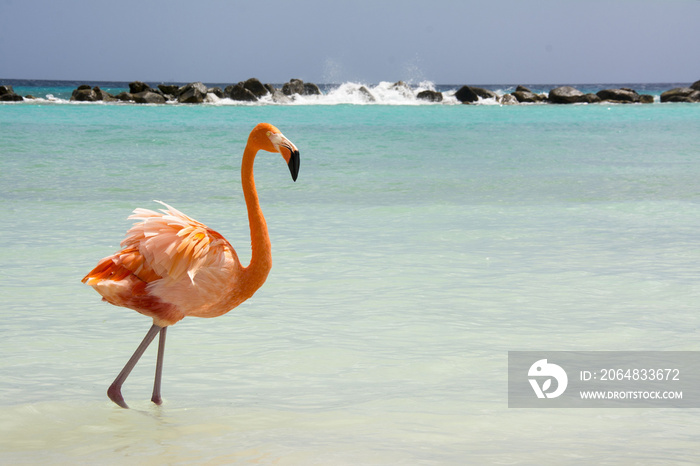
x,y
269,138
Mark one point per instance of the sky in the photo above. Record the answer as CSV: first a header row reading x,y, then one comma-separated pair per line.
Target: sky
x,y
334,41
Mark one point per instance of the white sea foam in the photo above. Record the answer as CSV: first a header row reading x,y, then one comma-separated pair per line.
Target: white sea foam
x,y
353,93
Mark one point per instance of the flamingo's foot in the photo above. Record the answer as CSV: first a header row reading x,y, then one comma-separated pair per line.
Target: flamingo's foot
x,y
115,394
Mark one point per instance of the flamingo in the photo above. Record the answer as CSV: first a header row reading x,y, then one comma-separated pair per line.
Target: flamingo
x,y
171,266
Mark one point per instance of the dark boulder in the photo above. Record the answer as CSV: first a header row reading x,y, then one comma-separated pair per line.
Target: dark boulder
x,y
125,97
623,95
646,99
681,94
567,95
591,99
240,93
148,97
102,95
695,85
467,94
7,94
137,87
255,87
6,89
521,88
526,96
294,86
485,93
192,93
430,96
84,94
311,89
170,89
11,98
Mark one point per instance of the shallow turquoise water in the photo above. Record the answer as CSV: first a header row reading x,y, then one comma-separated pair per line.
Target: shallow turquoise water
x,y
418,246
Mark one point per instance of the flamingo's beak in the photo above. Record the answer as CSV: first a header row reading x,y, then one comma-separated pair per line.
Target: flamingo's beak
x,y
291,155
288,150
293,163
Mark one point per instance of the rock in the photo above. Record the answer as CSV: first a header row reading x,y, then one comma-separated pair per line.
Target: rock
x,y
29,97
567,95
294,86
137,87
472,94
623,95
485,93
192,93
257,88
526,96
169,88
84,94
11,98
646,99
239,92
523,89
102,95
681,94
591,99
509,99
148,97
695,85
431,96
7,94
466,94
311,89
125,97
6,89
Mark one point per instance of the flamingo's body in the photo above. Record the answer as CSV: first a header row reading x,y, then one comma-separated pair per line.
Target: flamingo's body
x,y
171,266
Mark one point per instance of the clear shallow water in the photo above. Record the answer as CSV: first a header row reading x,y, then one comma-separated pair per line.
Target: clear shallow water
x,y
419,245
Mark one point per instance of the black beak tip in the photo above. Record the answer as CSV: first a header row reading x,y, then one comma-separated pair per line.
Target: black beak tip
x,y
294,165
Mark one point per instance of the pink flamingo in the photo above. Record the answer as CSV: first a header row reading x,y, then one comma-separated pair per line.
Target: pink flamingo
x,y
171,266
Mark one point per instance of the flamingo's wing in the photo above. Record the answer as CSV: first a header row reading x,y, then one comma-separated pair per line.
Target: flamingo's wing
x,y
163,245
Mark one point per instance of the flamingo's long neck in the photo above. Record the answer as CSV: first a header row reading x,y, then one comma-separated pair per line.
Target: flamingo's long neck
x,y
261,259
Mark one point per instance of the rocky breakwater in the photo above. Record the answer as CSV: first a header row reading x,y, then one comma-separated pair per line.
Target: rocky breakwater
x,y
557,95
250,90
683,94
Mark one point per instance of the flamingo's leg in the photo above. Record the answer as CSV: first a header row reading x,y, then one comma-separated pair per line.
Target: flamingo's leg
x,y
115,390
159,368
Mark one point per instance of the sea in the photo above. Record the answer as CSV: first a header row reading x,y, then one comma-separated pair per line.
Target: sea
x,y
421,243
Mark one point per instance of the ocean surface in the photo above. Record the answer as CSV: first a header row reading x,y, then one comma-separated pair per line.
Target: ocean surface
x,y
420,244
